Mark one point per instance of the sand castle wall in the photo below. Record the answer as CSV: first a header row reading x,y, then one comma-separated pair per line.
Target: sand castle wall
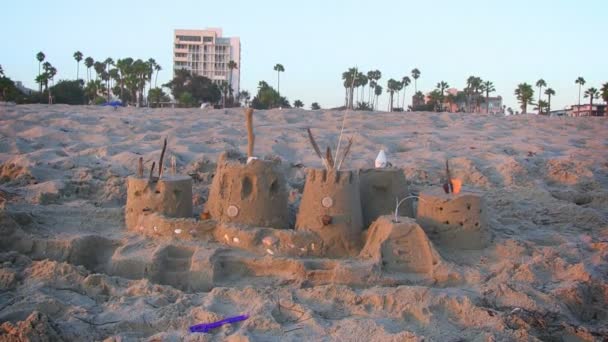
x,y
379,189
331,207
454,220
400,246
170,196
254,193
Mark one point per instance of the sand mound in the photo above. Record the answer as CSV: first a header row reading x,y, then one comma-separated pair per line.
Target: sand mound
x,y
400,246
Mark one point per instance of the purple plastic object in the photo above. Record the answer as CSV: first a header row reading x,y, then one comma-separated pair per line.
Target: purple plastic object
x,y
205,327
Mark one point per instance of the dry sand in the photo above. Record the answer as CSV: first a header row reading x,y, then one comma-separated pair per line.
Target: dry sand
x,y
70,270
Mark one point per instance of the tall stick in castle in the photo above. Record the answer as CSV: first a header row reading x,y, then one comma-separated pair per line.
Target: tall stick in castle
x,y
250,135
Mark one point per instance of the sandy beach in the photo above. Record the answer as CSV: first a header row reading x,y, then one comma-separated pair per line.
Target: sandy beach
x,y
70,270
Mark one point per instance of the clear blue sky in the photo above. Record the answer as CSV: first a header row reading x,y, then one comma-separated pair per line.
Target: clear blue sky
x,y
507,41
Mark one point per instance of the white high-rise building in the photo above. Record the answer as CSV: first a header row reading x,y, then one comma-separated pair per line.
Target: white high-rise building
x,y
207,53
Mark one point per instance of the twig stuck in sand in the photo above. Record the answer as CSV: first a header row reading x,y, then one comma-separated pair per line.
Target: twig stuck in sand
x,y
329,158
346,151
140,168
447,186
160,162
316,147
152,172
250,135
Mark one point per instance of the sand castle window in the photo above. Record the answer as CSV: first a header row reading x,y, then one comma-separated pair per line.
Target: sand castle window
x,y
247,187
274,187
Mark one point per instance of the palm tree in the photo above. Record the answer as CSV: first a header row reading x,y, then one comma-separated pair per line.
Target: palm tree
x,y
298,104
88,62
473,90
108,62
488,87
78,58
442,86
524,94
1,71
415,76
581,82
157,68
392,86
377,93
224,90
349,78
40,57
152,66
591,93
604,92
540,84
279,69
405,81
244,94
549,92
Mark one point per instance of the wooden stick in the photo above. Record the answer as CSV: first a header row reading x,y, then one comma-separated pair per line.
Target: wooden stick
x,y
160,162
152,171
140,168
250,135
448,184
314,145
346,151
329,158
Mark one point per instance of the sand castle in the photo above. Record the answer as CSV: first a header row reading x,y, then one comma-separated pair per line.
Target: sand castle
x,y
453,218
248,209
253,192
331,207
169,196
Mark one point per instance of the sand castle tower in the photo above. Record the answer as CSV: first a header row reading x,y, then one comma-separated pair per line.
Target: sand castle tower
x,y
252,192
331,207
169,195
379,189
452,217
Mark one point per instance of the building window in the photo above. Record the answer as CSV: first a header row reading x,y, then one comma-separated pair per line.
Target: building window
x,y
189,38
207,39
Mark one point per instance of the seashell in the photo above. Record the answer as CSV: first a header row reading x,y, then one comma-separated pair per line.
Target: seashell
x,y
232,211
178,231
236,239
269,241
327,202
381,160
312,246
291,245
303,249
269,251
155,228
226,237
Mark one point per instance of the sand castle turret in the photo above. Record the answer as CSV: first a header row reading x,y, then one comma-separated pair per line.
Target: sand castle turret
x,y
453,217
379,189
252,192
168,195
453,220
331,207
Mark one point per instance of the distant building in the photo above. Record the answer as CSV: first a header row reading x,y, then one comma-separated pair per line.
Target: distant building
x,y
207,53
587,110
558,112
459,101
